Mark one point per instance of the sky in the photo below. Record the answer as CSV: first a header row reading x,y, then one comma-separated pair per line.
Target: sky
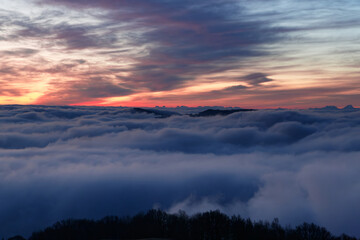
x,y
67,162
255,54
66,152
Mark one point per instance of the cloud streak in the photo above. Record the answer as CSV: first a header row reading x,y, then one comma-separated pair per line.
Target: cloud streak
x,y
155,49
174,42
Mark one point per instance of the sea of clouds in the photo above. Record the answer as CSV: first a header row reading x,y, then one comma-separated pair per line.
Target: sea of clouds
x,y
89,162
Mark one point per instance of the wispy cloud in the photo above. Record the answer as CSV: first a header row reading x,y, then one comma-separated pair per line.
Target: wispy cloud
x,y
153,48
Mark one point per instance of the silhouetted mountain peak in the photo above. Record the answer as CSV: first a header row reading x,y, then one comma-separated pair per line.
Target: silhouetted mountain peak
x,y
327,108
349,107
334,108
159,113
215,112
331,108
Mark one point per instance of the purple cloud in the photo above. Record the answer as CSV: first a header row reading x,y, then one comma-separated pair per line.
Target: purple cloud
x,y
182,39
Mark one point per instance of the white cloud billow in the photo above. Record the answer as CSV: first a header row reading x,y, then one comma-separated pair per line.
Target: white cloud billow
x,y
78,162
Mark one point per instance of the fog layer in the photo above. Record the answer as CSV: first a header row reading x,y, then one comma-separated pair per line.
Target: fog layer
x,y
87,162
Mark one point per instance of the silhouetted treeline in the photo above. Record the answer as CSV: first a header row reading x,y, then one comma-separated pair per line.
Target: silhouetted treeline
x,y
212,225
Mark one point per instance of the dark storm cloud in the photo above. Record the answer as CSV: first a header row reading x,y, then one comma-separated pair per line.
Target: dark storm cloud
x,y
60,162
182,39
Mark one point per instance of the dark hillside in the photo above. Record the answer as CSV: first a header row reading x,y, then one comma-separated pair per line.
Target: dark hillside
x,y
157,224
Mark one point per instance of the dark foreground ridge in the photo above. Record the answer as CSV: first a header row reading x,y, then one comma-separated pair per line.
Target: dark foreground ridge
x,y
157,224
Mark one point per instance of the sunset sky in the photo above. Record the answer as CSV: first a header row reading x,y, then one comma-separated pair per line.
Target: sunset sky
x,y
258,53
73,145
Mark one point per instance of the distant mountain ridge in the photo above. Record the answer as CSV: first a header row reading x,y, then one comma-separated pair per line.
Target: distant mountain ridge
x,y
205,113
215,112
159,113
334,108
